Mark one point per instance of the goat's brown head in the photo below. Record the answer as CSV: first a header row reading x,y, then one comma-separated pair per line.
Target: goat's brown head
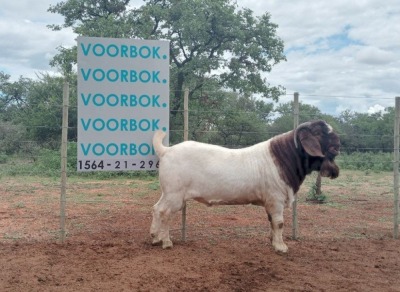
x,y
321,145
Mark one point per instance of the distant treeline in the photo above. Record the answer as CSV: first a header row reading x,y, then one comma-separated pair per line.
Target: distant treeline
x,y
31,118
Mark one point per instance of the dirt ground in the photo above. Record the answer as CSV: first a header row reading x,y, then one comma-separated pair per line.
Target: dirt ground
x,y
344,245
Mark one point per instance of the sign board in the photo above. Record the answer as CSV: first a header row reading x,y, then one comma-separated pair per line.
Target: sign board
x,y
123,98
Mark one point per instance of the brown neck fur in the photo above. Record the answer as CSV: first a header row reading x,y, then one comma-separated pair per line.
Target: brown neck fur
x,y
294,164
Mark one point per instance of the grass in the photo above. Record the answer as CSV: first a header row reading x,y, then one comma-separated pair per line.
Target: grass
x,y
336,205
82,198
350,184
13,236
155,185
19,205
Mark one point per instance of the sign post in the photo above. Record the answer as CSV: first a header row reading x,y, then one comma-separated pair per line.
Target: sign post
x,y
123,98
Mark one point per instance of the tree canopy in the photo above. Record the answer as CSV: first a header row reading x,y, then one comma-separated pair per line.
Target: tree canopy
x,y
210,40
30,110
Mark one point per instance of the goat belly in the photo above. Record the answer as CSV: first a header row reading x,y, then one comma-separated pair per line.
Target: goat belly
x,y
219,190
243,201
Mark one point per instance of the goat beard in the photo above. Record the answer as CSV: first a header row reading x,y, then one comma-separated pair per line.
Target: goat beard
x,y
329,169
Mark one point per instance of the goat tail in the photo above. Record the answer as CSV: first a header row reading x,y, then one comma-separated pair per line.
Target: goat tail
x,y
157,143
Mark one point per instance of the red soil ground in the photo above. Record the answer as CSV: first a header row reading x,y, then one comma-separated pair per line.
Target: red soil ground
x,y
345,245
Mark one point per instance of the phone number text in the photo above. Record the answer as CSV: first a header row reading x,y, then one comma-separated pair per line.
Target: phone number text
x,y
117,165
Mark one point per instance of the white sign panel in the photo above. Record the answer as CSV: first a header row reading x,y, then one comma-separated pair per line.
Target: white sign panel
x,y
123,98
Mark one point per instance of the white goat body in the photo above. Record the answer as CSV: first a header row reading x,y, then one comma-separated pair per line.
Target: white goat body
x,y
216,175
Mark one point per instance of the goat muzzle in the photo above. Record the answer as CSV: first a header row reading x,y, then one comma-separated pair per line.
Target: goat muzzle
x,y
329,168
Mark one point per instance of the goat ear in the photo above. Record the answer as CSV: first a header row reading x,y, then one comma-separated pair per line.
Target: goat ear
x,y
310,143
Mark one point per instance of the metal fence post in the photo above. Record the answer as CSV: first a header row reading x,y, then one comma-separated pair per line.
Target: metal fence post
x,y
295,125
396,155
64,144
185,138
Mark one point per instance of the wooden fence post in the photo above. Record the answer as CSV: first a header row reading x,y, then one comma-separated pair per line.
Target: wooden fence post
x,y
295,125
185,138
396,155
64,144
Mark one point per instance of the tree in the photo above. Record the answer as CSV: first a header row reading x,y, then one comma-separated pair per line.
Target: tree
x,y
12,95
242,121
225,118
35,105
367,132
284,121
210,40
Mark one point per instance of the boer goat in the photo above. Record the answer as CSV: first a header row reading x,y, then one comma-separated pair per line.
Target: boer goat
x,y
267,174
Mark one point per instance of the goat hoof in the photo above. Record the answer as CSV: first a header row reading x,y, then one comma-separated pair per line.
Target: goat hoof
x,y
156,241
281,253
281,249
167,244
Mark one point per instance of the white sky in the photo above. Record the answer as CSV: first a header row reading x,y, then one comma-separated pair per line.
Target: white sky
x,y
340,54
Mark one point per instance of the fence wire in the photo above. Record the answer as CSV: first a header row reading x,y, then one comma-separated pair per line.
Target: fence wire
x,y
118,206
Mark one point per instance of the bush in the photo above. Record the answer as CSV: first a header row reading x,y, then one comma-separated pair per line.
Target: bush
x,y
314,197
3,158
10,138
366,161
47,163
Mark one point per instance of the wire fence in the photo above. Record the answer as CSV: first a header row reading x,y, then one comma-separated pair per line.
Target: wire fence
x,y
118,206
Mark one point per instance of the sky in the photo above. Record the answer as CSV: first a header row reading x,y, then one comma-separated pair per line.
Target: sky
x,y
341,55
